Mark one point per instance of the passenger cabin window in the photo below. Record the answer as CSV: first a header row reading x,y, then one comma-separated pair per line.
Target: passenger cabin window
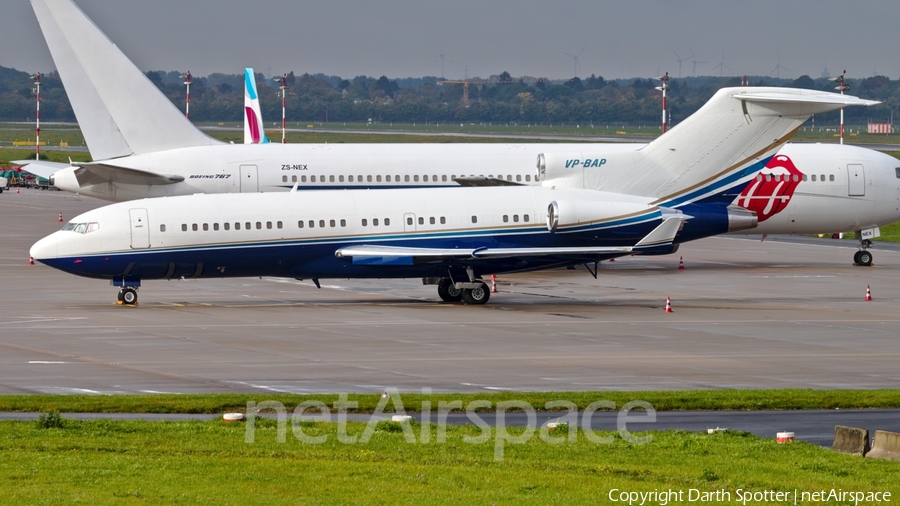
x,y
822,178
312,223
341,179
258,225
194,227
369,178
206,227
284,179
374,222
804,177
474,219
525,217
331,178
406,178
279,225
293,179
387,222
409,220
515,218
227,225
505,218
302,179
350,178
331,223
387,179
416,179
321,223
431,220
300,224
527,178
813,177
162,228
312,179
378,178
247,225
269,225
215,226
421,220
365,222
443,220
237,225
831,177
444,178
343,223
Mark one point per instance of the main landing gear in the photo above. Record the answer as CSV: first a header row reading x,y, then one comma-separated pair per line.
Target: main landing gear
x,y
127,296
863,257
474,292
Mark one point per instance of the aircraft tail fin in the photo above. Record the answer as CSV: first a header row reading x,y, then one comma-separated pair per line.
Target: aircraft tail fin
x,y
118,109
708,155
254,129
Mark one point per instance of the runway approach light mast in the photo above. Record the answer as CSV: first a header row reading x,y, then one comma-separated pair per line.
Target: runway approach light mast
x,y
842,87
664,88
282,90
37,117
187,99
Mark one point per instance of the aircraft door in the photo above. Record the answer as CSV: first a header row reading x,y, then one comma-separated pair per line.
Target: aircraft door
x,y
249,179
856,175
140,229
409,222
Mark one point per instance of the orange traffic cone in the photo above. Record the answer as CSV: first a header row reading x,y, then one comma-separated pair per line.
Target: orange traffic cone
x,y
868,294
680,263
668,305
60,217
30,260
493,283
17,189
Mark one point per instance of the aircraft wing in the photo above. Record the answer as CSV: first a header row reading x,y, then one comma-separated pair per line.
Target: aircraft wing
x,y
663,235
484,181
41,169
89,174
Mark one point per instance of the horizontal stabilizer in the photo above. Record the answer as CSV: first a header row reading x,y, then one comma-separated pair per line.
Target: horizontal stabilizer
x,y
484,181
41,169
89,174
804,104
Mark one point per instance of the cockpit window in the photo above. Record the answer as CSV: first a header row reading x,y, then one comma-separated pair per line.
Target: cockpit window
x,y
898,172
81,228
71,226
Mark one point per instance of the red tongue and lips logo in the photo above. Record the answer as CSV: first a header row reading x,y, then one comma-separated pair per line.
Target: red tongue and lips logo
x,y
772,189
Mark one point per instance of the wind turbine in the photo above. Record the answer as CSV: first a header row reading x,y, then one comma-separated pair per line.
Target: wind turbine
x,y
680,59
777,69
695,62
721,66
441,59
577,66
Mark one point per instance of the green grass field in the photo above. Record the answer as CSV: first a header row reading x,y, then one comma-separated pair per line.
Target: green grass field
x,y
661,400
105,462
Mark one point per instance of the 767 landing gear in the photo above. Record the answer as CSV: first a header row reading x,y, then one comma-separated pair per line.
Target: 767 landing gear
x,y
863,257
127,296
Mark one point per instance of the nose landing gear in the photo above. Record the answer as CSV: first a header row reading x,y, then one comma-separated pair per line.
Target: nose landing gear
x,y
127,296
863,257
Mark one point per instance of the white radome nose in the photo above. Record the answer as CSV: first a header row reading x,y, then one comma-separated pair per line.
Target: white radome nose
x,y
46,248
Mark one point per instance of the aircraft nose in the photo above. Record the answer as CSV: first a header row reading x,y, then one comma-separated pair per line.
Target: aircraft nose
x,y
47,248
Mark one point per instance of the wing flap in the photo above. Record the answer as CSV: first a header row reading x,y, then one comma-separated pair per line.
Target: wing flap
x,y
41,169
484,181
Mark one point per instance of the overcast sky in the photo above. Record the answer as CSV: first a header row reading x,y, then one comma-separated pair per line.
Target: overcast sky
x,y
405,38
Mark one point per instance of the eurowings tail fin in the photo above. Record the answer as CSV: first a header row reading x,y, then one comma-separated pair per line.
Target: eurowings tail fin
x,y
118,109
254,129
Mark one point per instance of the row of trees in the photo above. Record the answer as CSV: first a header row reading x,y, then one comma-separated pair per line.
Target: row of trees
x,y
594,100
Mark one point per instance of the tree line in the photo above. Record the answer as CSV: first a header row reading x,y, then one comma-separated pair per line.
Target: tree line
x,y
320,98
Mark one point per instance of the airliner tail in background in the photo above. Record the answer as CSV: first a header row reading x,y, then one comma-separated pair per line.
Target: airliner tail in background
x,y
254,130
119,110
